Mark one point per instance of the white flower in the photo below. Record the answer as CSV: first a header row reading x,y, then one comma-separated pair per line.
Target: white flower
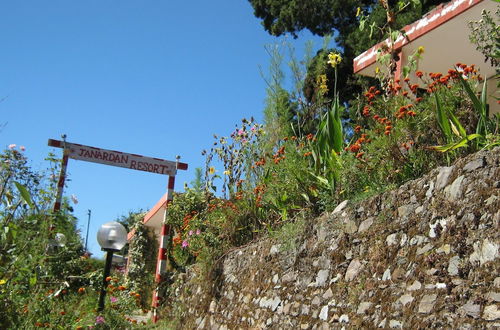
x,y
74,199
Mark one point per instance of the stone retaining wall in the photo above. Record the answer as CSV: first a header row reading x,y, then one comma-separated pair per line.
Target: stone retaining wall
x,y
423,255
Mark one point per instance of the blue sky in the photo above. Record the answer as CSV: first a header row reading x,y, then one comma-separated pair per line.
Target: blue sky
x,y
156,78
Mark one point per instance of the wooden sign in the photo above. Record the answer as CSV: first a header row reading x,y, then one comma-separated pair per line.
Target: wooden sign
x,y
120,159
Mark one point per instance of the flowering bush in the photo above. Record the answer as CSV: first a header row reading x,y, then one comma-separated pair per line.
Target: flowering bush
x,y
44,283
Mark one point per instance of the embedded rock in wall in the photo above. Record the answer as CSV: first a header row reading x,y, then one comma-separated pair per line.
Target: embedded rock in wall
x,y
423,255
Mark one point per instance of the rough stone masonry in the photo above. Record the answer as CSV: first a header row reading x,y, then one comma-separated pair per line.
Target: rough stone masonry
x,y
422,256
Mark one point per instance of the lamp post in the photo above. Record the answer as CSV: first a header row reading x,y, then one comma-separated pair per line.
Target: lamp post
x,y
112,237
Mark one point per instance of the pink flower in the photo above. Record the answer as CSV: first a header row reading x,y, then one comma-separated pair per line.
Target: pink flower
x,y
198,232
253,129
12,146
185,244
99,320
23,148
190,233
113,299
240,132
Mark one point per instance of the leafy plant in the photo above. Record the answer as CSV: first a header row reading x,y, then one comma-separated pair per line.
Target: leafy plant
x,y
485,34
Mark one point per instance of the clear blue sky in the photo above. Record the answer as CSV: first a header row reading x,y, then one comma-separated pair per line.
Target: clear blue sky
x,y
156,78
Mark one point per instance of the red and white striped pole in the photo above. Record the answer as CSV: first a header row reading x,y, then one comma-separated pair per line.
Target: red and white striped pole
x,y
62,176
161,264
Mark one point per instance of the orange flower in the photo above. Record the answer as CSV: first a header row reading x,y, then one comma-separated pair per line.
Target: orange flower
x,y
121,288
360,154
355,148
419,74
176,240
366,111
357,128
81,290
108,278
62,312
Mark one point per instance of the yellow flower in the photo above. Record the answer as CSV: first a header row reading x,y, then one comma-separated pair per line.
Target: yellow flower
x,y
321,80
358,12
334,59
227,172
2,282
211,170
420,50
377,70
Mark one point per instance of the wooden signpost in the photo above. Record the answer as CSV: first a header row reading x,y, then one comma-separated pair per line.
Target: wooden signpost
x,y
133,162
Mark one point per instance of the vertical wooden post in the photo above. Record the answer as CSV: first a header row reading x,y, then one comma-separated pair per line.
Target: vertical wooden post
x,y
165,238
62,177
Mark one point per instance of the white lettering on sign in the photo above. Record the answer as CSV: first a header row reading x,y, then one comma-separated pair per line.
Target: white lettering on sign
x,y
117,158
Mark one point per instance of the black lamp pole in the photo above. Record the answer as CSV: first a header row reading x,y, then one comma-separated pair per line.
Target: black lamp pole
x,y
112,237
107,268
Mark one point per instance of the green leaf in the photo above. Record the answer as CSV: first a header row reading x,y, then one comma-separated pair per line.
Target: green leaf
x,y
475,101
33,280
456,126
442,119
416,3
455,145
25,195
406,71
362,25
306,198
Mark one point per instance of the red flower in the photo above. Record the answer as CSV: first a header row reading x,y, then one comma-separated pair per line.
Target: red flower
x,y
419,74
355,148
